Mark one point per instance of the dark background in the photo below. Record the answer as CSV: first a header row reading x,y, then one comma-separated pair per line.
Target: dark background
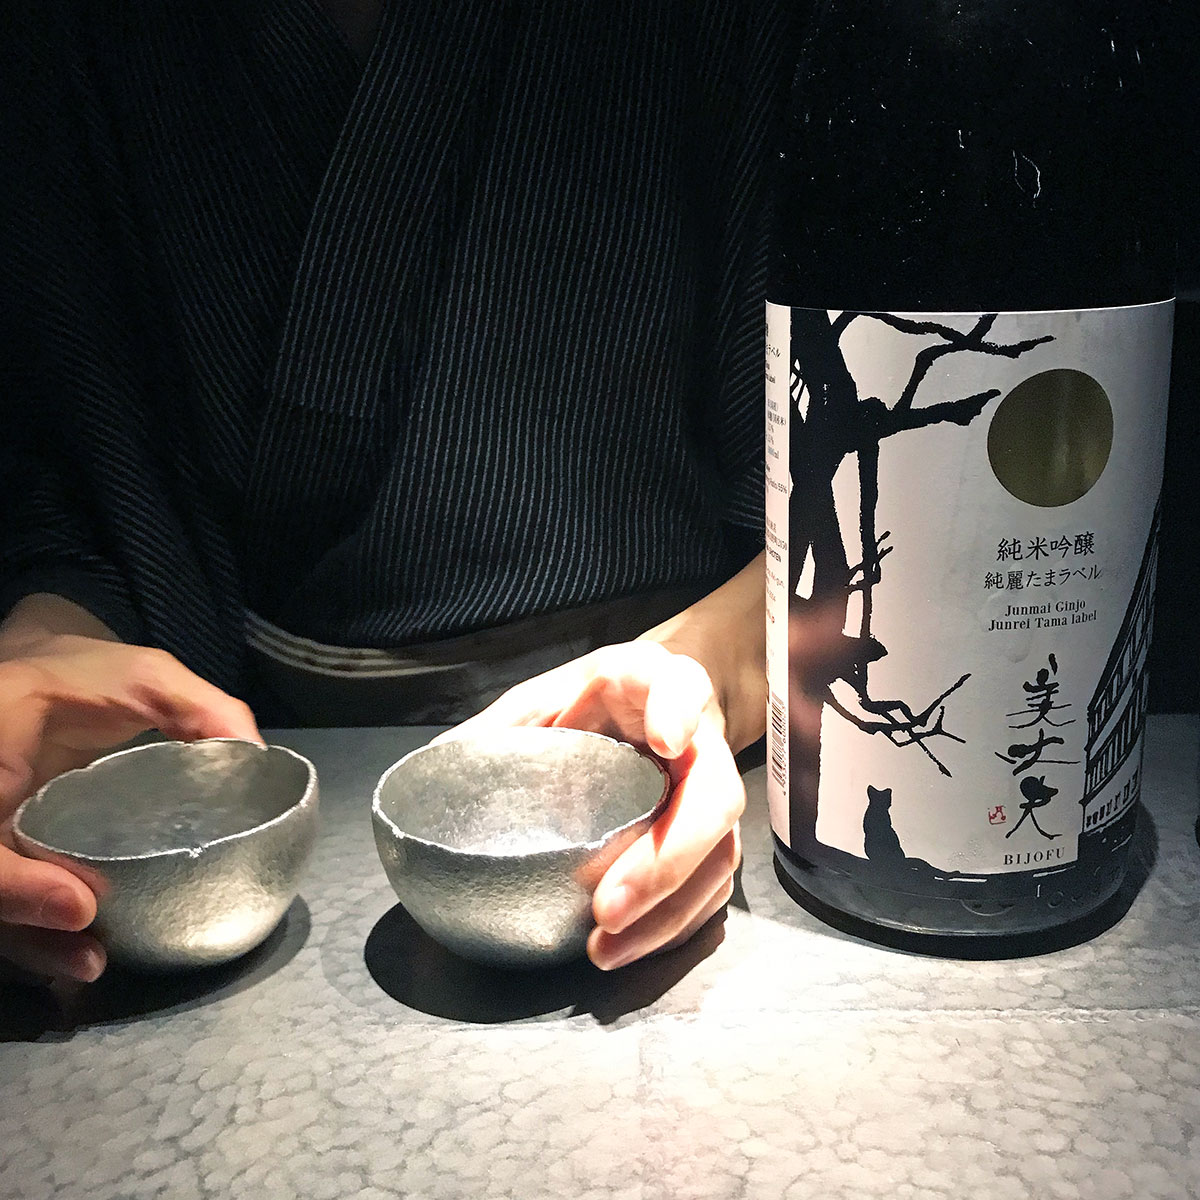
x,y
1175,649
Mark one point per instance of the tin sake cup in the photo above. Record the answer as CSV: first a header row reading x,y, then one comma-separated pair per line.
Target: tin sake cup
x,y
194,849
494,842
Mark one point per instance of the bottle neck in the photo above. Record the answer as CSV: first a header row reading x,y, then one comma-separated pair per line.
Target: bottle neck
x,y
972,157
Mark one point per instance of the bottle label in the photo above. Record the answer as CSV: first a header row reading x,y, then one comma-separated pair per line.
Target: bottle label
x,y
961,521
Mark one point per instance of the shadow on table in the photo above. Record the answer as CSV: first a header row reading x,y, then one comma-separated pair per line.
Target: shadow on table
x,y
420,973
1143,853
122,995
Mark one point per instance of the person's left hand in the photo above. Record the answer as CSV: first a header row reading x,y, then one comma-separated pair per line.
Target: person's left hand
x,y
680,873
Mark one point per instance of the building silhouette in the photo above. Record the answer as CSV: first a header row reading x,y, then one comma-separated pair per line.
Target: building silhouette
x,y
1116,716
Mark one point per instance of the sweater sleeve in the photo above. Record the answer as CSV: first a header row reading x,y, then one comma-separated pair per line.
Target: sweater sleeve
x,y
94,506
48,540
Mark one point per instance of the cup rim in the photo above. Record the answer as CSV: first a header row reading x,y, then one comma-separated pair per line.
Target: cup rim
x,y
24,839
652,813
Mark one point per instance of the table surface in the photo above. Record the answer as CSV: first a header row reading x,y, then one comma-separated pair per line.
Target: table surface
x,y
774,1056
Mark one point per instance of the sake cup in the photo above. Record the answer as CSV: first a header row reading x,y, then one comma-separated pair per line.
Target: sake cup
x,y
494,842
194,849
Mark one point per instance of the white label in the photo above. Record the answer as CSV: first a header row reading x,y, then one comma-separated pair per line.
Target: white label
x,y
973,509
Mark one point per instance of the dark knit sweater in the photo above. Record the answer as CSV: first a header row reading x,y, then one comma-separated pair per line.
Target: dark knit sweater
x,y
388,352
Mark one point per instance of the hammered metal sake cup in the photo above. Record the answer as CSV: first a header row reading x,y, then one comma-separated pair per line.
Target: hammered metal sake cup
x,y
495,842
194,849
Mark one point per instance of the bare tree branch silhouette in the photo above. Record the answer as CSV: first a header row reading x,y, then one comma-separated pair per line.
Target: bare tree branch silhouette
x,y
839,422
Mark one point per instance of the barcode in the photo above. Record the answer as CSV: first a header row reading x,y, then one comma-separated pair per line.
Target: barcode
x,y
778,741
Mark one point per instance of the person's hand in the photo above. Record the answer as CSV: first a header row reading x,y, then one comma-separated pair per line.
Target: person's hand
x,y
64,699
680,873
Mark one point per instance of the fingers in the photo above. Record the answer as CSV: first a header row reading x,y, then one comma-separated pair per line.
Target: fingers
x,y
679,916
639,692
52,953
580,694
177,701
636,691
41,894
80,696
671,880
60,705
671,875
31,752
42,910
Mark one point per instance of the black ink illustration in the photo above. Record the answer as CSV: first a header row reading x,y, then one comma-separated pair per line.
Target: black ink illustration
x,y
830,421
881,843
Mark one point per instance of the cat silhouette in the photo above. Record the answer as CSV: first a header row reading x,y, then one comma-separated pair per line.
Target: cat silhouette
x,y
880,841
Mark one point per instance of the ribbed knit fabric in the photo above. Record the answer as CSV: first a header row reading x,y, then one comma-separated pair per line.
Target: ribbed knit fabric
x,y
385,352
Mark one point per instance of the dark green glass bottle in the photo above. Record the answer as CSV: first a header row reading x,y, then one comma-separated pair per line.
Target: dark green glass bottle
x,y
968,341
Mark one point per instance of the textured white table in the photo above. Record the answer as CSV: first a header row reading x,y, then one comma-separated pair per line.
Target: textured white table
x,y
774,1057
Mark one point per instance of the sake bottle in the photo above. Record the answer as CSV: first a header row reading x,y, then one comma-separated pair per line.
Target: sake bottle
x,y
968,340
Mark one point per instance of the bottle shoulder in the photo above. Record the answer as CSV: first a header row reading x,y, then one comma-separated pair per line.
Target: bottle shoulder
x,y
979,162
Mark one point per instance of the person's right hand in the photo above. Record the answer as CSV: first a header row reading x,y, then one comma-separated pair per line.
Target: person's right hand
x,y
64,700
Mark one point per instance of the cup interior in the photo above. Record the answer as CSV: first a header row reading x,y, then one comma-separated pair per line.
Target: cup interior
x,y
519,790
165,797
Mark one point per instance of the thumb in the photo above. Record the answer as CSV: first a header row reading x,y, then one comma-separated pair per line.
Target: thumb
x,y
680,691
